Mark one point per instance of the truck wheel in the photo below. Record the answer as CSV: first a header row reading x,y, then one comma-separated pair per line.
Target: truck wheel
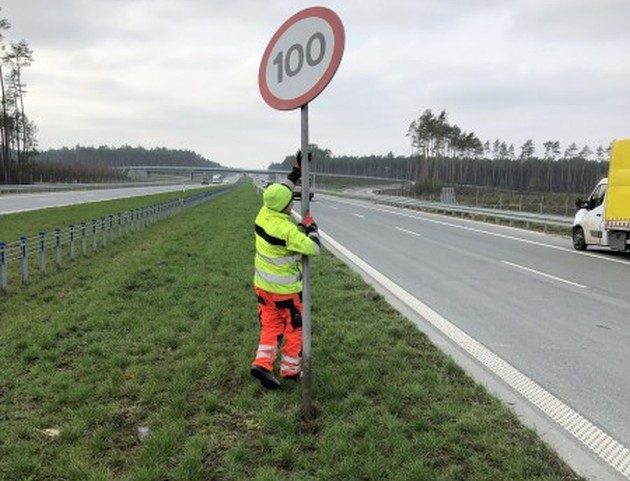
x,y
579,242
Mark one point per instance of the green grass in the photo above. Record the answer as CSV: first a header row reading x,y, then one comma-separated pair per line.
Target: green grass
x,y
29,223
160,333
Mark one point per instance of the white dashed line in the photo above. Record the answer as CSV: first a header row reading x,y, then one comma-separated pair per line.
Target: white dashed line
x,y
549,276
408,231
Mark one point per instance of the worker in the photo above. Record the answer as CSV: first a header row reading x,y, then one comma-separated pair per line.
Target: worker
x,y
280,243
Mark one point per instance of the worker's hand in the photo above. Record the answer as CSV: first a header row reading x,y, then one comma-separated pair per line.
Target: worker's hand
x,y
296,171
308,224
298,160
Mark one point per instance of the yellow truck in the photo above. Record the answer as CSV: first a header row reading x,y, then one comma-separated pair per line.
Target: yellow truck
x,y
604,218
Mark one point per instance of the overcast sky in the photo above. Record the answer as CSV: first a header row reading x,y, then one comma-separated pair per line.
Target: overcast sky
x,y
183,73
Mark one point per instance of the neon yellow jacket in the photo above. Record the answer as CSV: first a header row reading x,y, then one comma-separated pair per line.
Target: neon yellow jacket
x,y
280,244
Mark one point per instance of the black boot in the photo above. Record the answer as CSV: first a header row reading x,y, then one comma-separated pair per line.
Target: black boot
x,y
266,378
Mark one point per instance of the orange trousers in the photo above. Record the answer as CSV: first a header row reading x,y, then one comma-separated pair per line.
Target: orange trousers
x,y
280,317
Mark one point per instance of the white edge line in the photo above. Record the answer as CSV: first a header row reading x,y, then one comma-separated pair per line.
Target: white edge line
x,y
603,445
533,271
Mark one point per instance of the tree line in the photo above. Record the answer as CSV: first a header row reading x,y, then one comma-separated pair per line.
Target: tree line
x,y
433,136
97,164
445,155
17,133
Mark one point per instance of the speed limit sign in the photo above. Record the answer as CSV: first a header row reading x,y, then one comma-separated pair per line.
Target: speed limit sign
x,y
301,58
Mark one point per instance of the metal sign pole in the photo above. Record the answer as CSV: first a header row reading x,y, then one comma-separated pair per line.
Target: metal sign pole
x,y
307,398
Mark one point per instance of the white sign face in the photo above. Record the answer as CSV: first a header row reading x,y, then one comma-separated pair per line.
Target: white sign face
x,y
301,58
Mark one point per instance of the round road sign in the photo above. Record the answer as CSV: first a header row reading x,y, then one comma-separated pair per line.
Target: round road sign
x,y
301,58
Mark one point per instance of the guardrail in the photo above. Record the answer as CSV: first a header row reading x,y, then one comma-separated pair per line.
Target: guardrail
x,y
528,219
36,253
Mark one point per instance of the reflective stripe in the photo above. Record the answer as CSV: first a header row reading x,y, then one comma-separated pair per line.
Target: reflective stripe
x,y
286,370
282,280
290,365
292,360
279,261
266,351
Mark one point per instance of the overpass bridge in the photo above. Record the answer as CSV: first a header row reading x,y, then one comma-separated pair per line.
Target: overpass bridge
x,y
145,171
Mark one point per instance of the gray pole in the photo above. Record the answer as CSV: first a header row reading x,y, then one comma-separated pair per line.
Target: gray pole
x,y
24,258
3,267
42,253
307,398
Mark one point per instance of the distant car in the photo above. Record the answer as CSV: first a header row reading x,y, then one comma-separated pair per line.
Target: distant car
x,y
297,192
204,182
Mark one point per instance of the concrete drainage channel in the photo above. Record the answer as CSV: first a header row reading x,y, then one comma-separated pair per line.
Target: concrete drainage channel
x,y
37,252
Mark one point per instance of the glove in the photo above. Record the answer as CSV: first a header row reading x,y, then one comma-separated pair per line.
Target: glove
x,y
298,159
296,171
308,224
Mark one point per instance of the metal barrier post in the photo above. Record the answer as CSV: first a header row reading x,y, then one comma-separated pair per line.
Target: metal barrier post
x,y
3,267
119,233
94,246
42,253
103,233
83,240
111,228
24,258
58,247
71,240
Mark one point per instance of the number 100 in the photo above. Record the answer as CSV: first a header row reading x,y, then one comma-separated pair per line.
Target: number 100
x,y
284,62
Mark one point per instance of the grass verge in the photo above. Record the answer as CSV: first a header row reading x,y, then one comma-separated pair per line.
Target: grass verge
x,y
29,223
161,334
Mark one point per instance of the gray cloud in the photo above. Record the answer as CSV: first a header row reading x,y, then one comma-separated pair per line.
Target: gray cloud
x,y
184,73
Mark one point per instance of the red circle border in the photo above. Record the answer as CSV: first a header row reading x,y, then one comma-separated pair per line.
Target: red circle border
x,y
339,35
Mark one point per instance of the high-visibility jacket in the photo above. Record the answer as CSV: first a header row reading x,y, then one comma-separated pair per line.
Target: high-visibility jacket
x,y
279,245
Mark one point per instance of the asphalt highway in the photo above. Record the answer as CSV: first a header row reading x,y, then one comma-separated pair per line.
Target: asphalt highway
x,y
559,316
24,202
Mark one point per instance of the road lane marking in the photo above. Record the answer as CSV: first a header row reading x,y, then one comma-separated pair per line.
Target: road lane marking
x,y
559,279
408,231
359,216
602,444
481,231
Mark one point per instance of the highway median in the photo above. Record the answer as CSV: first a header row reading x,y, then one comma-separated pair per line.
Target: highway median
x,y
134,365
